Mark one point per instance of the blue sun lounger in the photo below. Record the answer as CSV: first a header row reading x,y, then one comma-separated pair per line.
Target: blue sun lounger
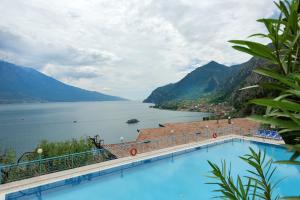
x,y
268,134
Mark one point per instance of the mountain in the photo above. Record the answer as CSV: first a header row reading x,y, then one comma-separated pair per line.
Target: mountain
x,y
23,84
231,93
201,81
214,83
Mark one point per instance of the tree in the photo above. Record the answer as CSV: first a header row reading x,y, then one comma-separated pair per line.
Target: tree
x,y
282,111
283,54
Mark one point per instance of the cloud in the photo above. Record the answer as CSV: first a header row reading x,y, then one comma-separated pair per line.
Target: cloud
x,y
76,56
85,72
10,41
129,46
106,89
44,53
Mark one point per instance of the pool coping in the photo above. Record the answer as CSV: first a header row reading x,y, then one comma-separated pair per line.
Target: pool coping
x,y
71,173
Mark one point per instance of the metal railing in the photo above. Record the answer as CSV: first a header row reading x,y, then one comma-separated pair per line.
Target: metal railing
x,y
123,149
23,170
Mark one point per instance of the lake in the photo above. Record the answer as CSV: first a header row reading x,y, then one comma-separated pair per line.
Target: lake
x,y
23,126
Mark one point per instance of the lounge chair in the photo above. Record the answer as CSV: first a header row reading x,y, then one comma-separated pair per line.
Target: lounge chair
x,y
268,134
259,133
272,134
264,133
277,136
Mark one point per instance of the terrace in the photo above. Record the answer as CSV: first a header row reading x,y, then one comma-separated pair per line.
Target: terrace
x,y
173,134
122,163
150,143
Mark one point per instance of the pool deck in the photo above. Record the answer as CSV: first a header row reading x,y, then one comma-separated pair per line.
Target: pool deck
x,y
54,177
173,134
237,126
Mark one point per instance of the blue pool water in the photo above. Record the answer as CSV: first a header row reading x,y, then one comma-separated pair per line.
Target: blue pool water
x,y
178,177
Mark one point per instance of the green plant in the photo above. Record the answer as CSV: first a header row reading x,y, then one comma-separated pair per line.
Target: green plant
x,y
7,156
283,54
258,183
56,156
52,149
282,111
230,188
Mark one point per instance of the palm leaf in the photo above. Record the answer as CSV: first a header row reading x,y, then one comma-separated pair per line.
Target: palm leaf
x,y
278,77
292,126
288,105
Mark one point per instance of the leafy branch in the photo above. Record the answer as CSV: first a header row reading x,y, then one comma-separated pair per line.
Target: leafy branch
x,y
257,185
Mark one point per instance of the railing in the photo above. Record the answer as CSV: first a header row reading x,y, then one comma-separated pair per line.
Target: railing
x,y
23,170
123,149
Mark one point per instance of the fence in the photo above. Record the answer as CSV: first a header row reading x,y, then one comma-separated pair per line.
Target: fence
x,y
23,170
19,171
123,149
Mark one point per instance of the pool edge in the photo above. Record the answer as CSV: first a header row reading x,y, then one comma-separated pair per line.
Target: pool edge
x,y
72,173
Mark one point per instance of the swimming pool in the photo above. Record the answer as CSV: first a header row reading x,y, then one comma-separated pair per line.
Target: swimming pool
x,y
180,175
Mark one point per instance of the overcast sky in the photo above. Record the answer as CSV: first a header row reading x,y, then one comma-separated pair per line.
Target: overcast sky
x,y
125,47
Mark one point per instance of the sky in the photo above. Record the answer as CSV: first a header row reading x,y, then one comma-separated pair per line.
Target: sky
x,y
125,47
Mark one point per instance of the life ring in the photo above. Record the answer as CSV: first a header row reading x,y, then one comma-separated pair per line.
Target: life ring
x,y
215,135
133,151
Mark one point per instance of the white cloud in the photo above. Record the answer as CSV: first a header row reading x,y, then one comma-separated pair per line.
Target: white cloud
x,y
128,46
85,72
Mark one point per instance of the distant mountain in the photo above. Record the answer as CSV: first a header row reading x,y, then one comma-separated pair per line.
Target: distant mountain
x,y
217,83
23,84
202,81
230,92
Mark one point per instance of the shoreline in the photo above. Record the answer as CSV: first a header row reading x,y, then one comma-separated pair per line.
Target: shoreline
x,y
221,110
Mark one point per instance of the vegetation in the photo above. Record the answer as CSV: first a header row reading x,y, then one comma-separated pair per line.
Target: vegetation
x,y
7,156
280,56
230,94
198,83
283,110
175,105
257,186
284,53
51,149
56,156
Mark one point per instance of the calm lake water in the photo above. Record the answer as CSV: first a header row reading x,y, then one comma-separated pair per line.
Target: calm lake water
x,y
23,126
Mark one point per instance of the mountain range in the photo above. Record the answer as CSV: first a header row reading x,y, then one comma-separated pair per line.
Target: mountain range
x,y
20,84
200,82
216,83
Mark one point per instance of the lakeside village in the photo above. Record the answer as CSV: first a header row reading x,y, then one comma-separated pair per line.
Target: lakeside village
x,y
219,110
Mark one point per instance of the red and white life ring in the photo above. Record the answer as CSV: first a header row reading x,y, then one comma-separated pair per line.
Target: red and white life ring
x,y
215,135
133,151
